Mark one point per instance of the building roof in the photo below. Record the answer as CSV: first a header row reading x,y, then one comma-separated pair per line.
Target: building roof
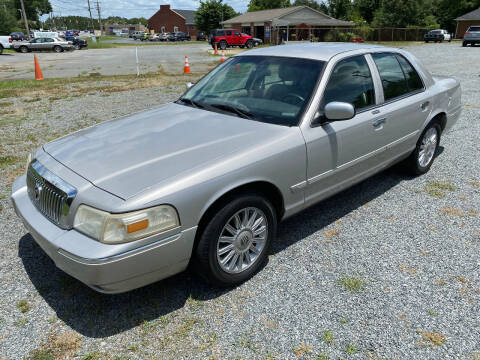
x,y
472,15
316,51
189,15
276,15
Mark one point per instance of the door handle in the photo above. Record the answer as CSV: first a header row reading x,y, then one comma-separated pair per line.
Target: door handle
x,y
425,105
379,122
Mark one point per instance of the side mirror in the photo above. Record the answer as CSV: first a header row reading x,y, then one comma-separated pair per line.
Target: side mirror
x,y
336,111
189,85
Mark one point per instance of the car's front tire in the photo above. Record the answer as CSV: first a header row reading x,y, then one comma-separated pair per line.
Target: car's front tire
x,y
57,49
234,243
77,47
421,159
249,44
23,49
223,45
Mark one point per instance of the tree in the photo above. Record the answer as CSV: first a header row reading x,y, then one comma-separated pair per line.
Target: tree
x,y
401,14
446,11
255,5
8,22
366,8
34,8
340,9
211,12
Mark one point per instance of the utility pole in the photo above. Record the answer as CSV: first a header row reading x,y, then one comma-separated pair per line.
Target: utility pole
x,y
91,18
99,19
25,19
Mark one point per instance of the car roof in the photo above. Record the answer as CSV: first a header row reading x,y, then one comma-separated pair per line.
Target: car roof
x,y
315,51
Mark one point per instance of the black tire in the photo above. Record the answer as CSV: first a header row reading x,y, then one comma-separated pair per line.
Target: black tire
x,y
57,49
412,163
223,45
23,49
77,47
427,41
249,44
464,44
1,49
205,259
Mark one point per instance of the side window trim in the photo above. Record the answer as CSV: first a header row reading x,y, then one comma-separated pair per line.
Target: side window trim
x,y
377,81
397,55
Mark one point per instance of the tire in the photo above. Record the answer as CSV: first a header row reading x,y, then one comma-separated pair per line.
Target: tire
x,y
77,47
1,49
464,44
208,254
57,49
223,45
415,165
249,44
23,49
426,41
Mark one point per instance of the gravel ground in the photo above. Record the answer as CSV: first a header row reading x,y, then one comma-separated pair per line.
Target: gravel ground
x,y
389,269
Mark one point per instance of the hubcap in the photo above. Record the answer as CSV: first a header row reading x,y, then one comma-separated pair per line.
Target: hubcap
x,y
242,240
428,147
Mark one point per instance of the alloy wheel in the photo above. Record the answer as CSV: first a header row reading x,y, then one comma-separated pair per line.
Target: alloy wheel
x,y
428,147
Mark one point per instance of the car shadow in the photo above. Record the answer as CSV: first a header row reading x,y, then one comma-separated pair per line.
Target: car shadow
x,y
98,315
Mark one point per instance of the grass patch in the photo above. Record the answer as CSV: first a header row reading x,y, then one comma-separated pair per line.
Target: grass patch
x,y
351,349
432,313
96,355
23,306
302,350
328,337
434,338
352,283
438,189
322,356
57,347
8,160
21,322
452,211
5,104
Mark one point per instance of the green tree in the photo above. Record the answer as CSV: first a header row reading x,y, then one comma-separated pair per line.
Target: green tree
x,y
366,8
8,22
446,11
400,14
211,12
140,20
255,5
33,8
340,9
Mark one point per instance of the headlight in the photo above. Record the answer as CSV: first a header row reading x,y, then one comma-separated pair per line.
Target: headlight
x,y
118,228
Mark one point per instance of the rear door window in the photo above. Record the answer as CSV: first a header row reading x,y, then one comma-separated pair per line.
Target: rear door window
x,y
474,28
414,81
392,76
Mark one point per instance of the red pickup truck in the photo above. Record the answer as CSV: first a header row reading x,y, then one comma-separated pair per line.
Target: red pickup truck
x,y
229,37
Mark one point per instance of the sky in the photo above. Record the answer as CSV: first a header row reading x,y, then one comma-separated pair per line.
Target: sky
x,y
130,8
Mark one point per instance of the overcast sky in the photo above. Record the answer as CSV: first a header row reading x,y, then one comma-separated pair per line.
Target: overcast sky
x,y
130,8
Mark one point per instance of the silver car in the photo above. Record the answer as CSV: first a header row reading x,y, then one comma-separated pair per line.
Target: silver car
x,y
205,180
44,44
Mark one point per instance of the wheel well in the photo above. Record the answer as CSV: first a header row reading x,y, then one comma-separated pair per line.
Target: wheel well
x,y
264,188
441,119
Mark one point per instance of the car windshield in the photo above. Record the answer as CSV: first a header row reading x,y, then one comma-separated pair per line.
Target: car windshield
x,y
269,89
436,32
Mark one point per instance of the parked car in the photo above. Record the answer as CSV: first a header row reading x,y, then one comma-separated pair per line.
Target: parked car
x,y
18,36
437,36
257,41
139,35
44,44
472,36
77,43
154,37
5,43
206,180
178,36
228,38
164,36
201,36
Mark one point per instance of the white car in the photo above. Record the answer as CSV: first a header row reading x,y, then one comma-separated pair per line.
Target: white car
x,y
438,35
5,42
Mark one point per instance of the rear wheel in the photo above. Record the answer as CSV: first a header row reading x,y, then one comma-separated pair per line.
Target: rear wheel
x,y
249,44
235,242
23,49
464,44
57,49
1,49
77,47
223,45
421,159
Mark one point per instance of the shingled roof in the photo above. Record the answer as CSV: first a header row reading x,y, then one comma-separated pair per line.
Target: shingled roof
x,y
189,15
472,15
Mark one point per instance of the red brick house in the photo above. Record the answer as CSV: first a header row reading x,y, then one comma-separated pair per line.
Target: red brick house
x,y
173,20
465,21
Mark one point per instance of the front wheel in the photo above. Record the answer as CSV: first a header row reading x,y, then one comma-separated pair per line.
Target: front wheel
x,y
421,159
223,45
235,242
249,44
23,49
77,47
57,49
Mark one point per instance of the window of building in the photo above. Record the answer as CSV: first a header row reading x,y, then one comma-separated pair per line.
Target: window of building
x,y
175,29
163,29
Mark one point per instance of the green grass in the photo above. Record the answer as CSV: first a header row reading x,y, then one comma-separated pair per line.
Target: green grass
x,y
328,337
8,160
102,44
351,349
322,356
352,283
23,306
438,189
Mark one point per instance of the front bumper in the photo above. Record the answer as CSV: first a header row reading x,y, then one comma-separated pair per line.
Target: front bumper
x,y
121,271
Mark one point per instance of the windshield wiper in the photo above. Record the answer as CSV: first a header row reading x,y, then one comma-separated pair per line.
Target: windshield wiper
x,y
242,113
192,102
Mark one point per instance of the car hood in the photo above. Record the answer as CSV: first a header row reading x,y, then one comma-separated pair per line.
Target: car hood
x,y
156,145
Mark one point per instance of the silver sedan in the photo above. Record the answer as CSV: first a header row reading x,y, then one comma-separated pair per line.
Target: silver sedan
x,y
44,44
204,181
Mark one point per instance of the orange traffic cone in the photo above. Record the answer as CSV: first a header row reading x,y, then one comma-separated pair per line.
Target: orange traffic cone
x,y
216,49
223,56
38,71
186,68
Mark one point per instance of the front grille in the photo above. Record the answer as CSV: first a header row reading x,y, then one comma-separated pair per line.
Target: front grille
x,y
51,195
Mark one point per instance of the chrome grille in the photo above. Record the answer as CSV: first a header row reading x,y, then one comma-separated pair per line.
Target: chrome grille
x,y
51,195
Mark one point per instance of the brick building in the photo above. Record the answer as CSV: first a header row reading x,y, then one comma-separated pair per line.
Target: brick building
x,y
291,23
173,20
465,21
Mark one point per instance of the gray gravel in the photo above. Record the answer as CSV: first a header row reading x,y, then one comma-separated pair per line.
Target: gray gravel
x,y
415,256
